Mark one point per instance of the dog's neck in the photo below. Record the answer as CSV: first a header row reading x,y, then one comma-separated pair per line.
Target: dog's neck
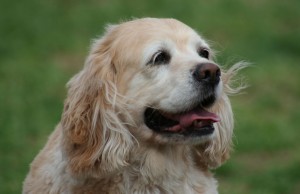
x,y
159,166
160,161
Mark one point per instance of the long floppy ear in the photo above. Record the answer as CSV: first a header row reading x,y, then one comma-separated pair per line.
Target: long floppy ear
x,y
213,153
96,141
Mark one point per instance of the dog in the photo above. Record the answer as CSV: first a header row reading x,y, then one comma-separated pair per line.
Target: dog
x,y
148,113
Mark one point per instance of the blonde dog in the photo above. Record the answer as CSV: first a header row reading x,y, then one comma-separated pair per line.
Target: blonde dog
x,y
148,113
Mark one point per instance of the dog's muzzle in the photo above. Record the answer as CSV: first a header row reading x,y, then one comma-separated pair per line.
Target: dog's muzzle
x,y
196,121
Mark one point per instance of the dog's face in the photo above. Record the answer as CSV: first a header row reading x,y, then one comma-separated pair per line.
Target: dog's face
x,y
152,80
168,79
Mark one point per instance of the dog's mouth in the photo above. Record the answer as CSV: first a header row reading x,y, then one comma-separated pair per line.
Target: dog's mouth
x,y
195,122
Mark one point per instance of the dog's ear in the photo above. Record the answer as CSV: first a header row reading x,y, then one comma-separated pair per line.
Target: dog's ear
x,y
96,141
213,153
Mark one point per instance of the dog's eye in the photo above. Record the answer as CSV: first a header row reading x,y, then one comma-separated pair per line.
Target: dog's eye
x,y
203,52
161,57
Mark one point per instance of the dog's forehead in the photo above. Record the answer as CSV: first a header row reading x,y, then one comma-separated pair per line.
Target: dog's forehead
x,y
134,42
151,35
151,30
169,29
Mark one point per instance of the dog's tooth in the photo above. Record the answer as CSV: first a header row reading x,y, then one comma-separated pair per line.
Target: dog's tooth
x,y
200,123
195,123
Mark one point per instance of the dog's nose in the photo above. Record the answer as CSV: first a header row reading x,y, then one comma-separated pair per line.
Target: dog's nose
x,y
207,72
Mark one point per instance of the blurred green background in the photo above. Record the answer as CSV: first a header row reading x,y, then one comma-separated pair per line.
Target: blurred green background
x,y
44,42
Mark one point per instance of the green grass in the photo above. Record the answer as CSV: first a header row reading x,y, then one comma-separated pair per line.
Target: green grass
x,y
43,43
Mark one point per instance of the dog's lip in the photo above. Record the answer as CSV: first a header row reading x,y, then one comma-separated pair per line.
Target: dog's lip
x,y
196,118
197,121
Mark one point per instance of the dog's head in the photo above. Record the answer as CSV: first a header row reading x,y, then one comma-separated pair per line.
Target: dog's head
x,y
147,80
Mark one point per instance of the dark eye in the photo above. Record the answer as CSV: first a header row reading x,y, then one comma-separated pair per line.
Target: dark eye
x,y
203,52
161,57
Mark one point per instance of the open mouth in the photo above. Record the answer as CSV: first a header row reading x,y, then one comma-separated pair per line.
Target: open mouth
x,y
195,122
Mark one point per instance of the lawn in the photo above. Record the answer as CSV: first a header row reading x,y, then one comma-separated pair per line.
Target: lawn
x,y
43,43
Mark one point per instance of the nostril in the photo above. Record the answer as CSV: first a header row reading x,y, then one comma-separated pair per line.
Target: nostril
x,y
207,74
218,73
218,76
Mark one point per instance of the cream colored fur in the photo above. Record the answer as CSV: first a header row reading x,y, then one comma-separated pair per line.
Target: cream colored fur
x,y
102,145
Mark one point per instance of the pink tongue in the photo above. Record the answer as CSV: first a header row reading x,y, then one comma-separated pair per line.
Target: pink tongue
x,y
187,119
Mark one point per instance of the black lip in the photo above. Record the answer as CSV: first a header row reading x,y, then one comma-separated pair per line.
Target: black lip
x,y
155,121
206,130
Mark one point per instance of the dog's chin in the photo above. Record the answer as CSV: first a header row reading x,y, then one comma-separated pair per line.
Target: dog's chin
x,y
193,126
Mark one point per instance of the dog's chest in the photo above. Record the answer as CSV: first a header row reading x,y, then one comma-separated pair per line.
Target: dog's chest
x,y
143,180
189,182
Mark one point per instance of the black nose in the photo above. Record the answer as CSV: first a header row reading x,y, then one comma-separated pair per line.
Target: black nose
x,y
207,72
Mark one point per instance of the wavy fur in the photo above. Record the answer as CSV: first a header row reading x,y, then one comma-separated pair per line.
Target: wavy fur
x,y
102,145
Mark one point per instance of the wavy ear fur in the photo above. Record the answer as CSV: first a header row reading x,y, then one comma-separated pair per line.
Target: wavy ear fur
x,y
96,141
215,152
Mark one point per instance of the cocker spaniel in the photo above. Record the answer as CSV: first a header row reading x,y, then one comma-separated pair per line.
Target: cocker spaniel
x,y
148,113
